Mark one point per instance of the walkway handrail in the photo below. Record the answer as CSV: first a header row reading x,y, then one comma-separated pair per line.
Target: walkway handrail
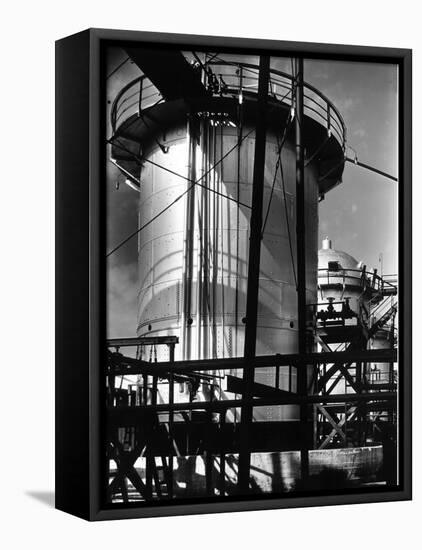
x,y
369,277
140,94
328,105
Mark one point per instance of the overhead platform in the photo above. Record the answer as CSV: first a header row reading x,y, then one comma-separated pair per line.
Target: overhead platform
x,y
153,121
180,91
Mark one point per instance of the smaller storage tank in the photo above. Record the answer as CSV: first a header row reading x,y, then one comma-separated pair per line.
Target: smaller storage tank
x,y
342,280
348,297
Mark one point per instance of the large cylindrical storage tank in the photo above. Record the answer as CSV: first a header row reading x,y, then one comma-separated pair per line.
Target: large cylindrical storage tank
x,y
213,325
196,178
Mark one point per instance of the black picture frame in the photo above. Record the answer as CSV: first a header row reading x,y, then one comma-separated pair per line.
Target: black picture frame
x,y
80,271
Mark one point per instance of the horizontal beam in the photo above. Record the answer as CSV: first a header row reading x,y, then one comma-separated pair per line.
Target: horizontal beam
x,y
127,365
290,399
374,406
236,385
142,341
380,386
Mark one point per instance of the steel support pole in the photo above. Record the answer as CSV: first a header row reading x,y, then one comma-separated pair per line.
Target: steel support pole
x,y
150,465
171,424
300,208
222,452
253,273
302,376
189,240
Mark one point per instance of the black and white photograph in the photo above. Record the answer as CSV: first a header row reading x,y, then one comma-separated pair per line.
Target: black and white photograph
x,y
252,267
210,275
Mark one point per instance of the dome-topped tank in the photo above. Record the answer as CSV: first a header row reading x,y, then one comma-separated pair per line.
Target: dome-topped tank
x,y
327,254
348,294
344,280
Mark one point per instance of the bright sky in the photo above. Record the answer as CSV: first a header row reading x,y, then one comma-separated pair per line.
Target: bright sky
x,y
360,215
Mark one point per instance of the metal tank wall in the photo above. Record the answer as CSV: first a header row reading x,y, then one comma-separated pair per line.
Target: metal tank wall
x,y
220,244
160,244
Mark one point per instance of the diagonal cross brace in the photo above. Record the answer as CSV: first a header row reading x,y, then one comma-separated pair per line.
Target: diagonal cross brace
x,y
353,411
336,425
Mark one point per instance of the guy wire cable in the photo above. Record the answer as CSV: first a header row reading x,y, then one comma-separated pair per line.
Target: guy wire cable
x,y
177,198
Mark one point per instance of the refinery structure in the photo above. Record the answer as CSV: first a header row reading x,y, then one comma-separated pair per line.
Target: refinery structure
x,y
265,361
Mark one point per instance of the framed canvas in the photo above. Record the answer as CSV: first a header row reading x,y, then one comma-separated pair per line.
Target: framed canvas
x,y
233,274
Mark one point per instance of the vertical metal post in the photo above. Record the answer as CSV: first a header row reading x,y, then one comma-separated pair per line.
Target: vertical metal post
x,y
171,422
204,244
361,414
209,488
111,389
222,452
213,159
141,85
302,378
145,389
200,256
189,240
391,365
150,453
207,248
253,274
239,147
148,467
300,208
